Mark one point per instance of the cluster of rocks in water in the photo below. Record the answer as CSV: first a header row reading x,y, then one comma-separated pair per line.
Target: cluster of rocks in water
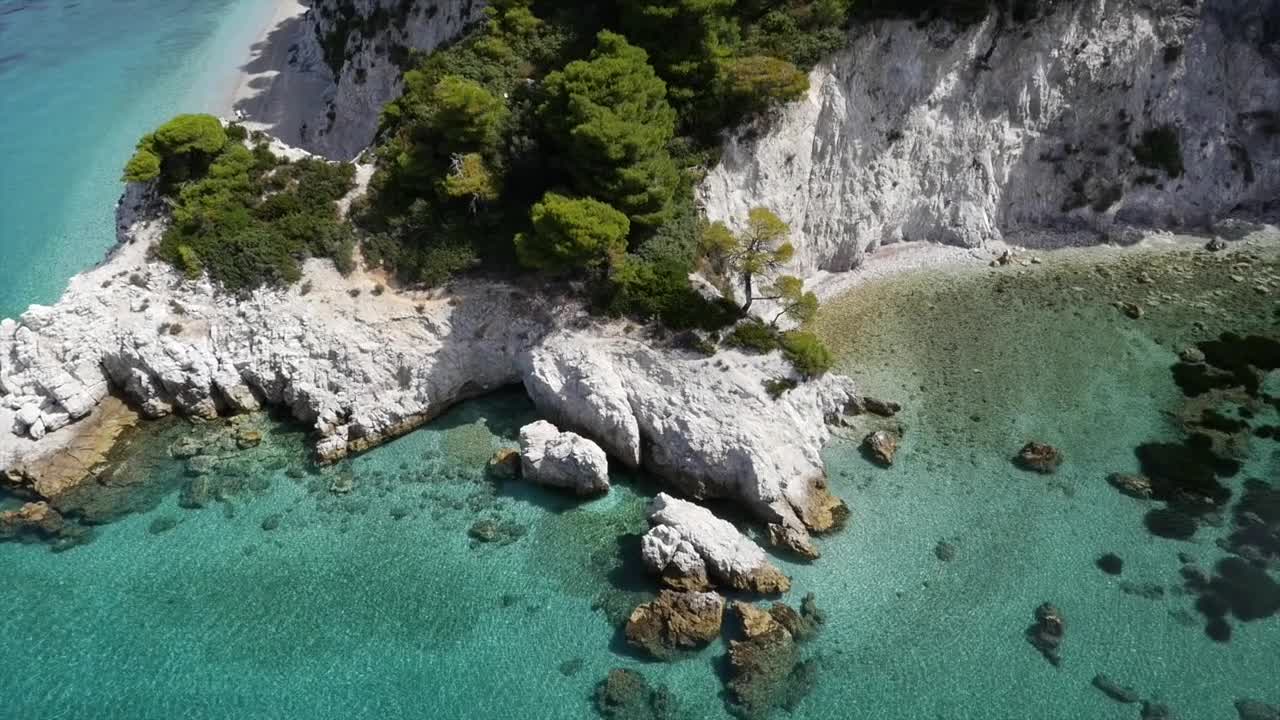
x,y
626,695
696,557
1224,388
766,670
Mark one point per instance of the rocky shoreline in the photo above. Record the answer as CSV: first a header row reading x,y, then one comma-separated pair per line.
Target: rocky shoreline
x,y
360,364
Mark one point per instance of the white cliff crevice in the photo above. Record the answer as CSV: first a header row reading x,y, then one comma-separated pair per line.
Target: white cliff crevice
x,y
916,133
361,46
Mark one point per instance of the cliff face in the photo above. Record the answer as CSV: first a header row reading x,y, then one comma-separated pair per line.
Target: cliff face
x,y
361,45
1036,132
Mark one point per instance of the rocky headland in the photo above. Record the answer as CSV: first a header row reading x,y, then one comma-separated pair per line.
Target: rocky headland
x,y
361,364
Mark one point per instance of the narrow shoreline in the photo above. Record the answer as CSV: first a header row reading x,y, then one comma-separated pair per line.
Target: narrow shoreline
x,y
274,89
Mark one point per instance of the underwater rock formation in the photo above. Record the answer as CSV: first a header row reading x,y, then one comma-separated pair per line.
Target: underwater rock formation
x,y
766,668
627,695
675,622
1048,632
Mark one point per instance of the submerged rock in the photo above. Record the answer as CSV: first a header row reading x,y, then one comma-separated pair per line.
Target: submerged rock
x,y
883,408
248,438
497,532
1131,310
562,459
944,551
627,695
880,446
1156,711
1146,591
504,465
675,622
803,625
33,521
1039,457
1110,564
1133,485
1048,632
1257,710
688,541
1114,690
766,670
162,525
1191,354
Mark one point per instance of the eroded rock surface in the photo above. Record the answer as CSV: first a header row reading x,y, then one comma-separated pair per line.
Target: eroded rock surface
x,y
562,459
675,622
687,540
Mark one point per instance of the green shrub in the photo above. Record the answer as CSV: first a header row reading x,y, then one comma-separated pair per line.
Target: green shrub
x,y
1160,149
649,288
177,151
777,387
807,354
570,233
246,217
753,335
144,166
757,82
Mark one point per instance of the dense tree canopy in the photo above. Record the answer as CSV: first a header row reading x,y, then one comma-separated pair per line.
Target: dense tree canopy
x,y
177,150
572,233
609,118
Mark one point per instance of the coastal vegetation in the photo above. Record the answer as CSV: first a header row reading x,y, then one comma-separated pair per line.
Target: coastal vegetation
x,y
244,215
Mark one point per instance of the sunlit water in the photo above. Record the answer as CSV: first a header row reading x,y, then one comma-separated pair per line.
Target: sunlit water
x,y
80,82
287,600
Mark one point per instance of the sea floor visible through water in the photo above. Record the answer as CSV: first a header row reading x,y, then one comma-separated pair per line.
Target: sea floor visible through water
x,y
431,590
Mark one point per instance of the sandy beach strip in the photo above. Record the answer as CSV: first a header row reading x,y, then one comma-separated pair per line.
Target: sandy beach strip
x,y
276,91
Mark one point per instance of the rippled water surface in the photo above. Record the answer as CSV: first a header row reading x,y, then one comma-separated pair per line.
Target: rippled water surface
x,y
280,598
81,82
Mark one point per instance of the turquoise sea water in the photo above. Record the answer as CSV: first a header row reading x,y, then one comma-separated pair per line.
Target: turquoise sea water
x,y
281,599
285,600
82,81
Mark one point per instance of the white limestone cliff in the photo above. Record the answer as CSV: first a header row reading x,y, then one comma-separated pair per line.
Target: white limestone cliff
x,y
360,46
969,136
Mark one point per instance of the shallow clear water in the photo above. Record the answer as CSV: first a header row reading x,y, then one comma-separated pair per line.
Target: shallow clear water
x,y
82,81
379,601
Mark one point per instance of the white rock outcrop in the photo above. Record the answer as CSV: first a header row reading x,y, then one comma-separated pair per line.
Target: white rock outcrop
x,y
562,459
687,541
1025,132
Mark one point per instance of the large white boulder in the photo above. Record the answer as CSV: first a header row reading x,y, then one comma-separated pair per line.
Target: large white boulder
x,y
684,533
562,459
